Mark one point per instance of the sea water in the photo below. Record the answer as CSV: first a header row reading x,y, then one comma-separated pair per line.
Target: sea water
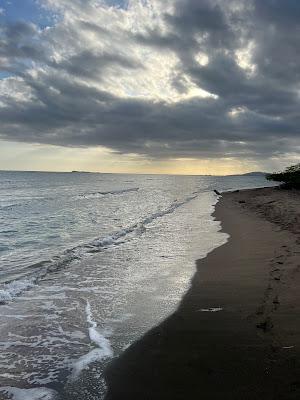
x,y
88,263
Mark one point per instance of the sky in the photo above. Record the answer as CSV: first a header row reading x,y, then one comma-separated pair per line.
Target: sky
x,y
149,86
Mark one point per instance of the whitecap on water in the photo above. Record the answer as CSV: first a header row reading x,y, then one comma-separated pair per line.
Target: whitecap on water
x,y
30,394
14,288
211,309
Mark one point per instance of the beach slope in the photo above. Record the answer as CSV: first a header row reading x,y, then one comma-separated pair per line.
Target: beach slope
x,y
236,333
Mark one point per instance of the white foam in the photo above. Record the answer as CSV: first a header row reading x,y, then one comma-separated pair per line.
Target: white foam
x,y
30,394
103,351
83,362
101,194
211,309
14,288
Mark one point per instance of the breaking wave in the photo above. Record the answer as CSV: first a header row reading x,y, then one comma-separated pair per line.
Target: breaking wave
x,y
30,394
9,290
101,194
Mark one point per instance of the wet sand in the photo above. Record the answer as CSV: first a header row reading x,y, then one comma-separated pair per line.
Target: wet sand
x,y
236,333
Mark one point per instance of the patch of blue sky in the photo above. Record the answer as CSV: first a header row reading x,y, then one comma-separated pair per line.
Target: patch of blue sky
x,y
26,10
4,74
118,3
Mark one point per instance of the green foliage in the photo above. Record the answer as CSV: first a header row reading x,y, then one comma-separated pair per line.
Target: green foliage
x,y
290,177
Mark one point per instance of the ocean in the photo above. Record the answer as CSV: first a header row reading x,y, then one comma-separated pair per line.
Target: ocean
x,y
89,262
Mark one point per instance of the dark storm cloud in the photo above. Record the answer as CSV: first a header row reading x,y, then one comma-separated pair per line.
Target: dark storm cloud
x,y
254,111
205,17
18,44
88,64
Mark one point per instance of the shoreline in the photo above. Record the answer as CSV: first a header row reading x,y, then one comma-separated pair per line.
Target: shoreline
x,y
249,346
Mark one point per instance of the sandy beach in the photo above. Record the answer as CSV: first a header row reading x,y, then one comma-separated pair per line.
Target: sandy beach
x,y
236,333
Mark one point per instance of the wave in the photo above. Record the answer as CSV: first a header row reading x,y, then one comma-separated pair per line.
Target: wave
x,y
10,206
91,195
101,194
41,393
14,288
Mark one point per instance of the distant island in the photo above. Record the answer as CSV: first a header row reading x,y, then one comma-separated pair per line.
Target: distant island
x,y
80,172
255,173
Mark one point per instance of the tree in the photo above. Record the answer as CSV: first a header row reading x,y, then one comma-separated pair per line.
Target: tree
x,y
290,177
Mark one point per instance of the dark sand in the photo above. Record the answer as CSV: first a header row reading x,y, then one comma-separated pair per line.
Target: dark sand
x,y
249,349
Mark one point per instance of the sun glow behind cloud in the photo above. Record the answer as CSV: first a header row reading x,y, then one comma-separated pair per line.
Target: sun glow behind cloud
x,y
30,157
148,82
111,31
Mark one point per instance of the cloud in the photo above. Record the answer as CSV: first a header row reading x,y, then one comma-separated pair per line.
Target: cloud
x,y
163,79
19,46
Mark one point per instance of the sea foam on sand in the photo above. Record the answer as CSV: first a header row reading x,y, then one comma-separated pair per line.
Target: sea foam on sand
x,y
99,353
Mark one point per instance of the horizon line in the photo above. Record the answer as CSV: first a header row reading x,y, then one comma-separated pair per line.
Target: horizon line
x,y
130,173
